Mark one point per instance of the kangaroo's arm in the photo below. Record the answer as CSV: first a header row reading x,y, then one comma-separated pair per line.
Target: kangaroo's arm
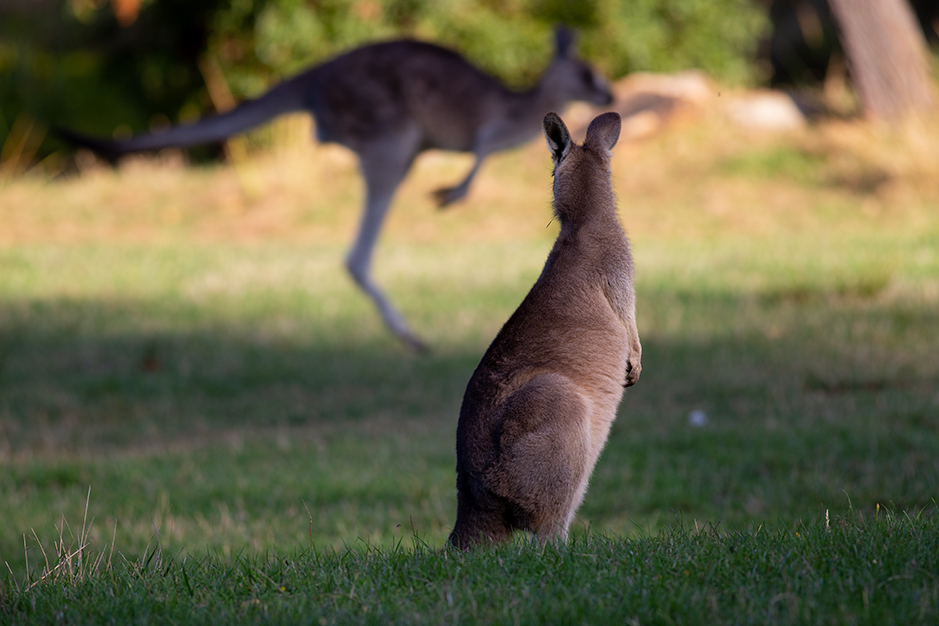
x,y
500,134
446,196
619,293
516,117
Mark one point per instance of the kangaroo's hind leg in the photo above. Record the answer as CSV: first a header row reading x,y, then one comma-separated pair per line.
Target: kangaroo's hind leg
x,y
543,464
480,518
384,163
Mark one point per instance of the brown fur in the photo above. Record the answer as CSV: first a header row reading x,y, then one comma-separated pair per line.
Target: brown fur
x,y
538,408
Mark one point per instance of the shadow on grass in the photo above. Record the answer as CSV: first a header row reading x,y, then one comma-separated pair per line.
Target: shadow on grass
x,y
102,372
804,400
75,376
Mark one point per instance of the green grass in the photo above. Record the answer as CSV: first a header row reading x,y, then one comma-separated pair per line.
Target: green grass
x,y
230,399
852,570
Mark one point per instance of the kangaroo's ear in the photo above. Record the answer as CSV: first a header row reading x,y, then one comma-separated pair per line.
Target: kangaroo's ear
x,y
559,139
564,39
603,131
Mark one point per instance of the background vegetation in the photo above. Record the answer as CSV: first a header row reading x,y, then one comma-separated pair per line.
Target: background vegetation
x,y
96,66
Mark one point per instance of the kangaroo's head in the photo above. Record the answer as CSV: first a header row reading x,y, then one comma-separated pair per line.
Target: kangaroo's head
x,y
582,184
569,78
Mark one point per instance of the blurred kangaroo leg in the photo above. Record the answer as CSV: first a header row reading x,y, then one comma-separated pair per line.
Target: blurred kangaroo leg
x,y
384,165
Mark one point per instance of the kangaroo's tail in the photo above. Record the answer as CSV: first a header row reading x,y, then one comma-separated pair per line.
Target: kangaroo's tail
x,y
284,98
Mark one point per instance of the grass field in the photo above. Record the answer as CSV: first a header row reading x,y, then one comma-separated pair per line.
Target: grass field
x,y
182,341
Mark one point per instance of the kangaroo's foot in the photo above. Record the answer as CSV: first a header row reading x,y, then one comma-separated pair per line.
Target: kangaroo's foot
x,y
389,315
448,195
414,343
395,323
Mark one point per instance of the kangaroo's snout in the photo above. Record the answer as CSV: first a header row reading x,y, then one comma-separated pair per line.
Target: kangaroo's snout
x,y
604,97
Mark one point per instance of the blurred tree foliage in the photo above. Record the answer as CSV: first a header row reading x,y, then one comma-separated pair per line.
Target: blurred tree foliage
x,y
94,65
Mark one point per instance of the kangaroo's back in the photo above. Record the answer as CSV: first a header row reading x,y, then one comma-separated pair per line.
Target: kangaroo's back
x,y
384,87
364,93
538,408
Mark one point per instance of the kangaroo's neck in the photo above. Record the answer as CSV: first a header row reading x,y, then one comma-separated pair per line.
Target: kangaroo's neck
x,y
526,109
550,93
585,203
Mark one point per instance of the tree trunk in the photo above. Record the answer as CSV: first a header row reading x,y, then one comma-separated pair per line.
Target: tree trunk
x,y
886,56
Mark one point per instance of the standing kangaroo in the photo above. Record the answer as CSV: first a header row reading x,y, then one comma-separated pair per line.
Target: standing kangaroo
x,y
538,408
388,102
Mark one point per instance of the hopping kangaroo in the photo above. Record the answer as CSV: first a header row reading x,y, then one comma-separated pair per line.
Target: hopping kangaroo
x,y
538,408
388,102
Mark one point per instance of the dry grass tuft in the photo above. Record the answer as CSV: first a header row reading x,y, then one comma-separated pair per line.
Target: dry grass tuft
x,y
74,558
